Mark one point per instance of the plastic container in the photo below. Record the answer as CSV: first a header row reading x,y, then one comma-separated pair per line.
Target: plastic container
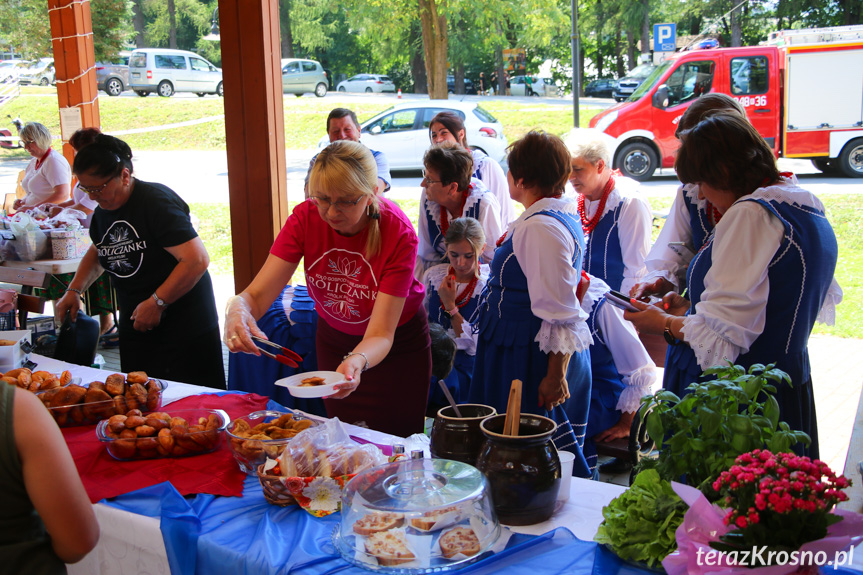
x,y
250,452
69,244
409,517
70,407
179,441
12,356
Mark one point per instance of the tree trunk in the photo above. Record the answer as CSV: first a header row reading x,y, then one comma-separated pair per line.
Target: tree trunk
x,y
138,23
459,78
645,28
600,23
632,60
498,60
434,31
736,34
285,27
618,53
418,67
853,12
172,21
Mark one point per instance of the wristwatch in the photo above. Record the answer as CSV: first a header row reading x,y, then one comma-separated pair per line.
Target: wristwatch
x,y
159,301
669,337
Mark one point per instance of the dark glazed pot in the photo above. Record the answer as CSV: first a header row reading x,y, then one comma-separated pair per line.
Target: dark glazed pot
x,y
459,438
523,471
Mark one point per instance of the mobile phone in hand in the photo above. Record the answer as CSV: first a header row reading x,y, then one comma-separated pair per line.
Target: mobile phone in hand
x,y
617,299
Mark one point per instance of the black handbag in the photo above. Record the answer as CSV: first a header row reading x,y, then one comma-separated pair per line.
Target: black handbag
x,y
77,341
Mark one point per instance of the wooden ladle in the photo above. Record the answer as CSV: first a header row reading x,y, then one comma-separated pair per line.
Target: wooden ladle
x,y
513,409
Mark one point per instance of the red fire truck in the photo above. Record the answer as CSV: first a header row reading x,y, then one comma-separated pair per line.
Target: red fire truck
x,y
802,90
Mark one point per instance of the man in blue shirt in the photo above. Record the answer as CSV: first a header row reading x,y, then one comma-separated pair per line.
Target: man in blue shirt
x,y
342,124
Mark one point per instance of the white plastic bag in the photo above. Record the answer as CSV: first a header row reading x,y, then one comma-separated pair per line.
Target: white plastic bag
x,y
30,241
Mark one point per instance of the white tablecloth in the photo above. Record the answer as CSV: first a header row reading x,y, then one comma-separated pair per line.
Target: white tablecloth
x,y
131,543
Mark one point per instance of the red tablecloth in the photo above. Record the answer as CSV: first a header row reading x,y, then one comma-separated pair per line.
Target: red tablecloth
x,y
215,473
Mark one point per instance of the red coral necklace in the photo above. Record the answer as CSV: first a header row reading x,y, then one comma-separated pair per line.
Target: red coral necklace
x,y
463,297
587,225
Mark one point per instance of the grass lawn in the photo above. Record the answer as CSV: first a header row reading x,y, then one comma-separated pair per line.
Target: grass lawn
x,y
845,213
304,118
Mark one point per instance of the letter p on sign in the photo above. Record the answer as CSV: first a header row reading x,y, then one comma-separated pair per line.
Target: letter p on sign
x,y
664,37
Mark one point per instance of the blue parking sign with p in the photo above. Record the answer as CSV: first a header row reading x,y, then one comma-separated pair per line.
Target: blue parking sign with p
x,y
664,37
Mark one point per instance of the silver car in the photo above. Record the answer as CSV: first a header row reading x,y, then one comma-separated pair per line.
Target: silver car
x,y
41,73
167,71
112,77
300,76
367,83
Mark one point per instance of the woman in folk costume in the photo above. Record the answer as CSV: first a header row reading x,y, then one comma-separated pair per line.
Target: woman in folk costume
x,y
531,326
615,218
760,281
448,193
452,293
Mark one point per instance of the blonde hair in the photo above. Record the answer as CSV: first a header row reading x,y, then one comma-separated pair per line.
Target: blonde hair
x,y
589,145
38,133
349,167
470,230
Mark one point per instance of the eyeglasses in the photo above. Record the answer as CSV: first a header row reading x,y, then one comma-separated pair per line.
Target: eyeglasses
x,y
428,181
95,189
27,142
340,205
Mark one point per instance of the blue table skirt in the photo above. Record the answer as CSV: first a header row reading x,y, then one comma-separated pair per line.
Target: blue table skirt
x,y
231,535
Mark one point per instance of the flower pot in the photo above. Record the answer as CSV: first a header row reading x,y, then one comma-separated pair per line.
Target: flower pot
x,y
459,438
523,471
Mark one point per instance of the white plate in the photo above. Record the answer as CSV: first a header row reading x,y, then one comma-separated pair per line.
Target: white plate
x,y
331,378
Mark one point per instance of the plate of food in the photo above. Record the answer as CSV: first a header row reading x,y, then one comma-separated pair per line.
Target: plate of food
x,y
312,383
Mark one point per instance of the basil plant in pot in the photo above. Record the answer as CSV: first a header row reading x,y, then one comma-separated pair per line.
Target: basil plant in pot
x,y
700,435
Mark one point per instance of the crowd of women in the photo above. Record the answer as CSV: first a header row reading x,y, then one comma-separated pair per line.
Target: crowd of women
x,y
741,271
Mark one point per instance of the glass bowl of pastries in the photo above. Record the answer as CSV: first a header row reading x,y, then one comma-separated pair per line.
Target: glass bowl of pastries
x,y
262,434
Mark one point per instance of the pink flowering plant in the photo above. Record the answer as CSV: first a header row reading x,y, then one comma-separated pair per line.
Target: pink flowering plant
x,y
777,500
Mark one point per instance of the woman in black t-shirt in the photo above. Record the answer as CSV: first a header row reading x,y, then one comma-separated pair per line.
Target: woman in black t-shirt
x,y
143,237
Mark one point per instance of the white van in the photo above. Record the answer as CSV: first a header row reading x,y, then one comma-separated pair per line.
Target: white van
x,y
167,71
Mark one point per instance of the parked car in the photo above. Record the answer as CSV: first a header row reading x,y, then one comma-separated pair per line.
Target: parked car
x,y
112,77
627,85
518,86
600,88
11,69
167,71
40,72
300,76
402,132
367,83
468,85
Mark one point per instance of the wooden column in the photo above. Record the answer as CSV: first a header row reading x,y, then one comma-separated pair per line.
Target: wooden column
x,y
74,61
254,130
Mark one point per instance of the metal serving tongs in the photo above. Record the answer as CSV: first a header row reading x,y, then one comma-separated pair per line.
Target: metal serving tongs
x,y
287,357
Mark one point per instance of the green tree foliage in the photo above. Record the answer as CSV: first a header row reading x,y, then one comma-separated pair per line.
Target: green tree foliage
x,y
24,25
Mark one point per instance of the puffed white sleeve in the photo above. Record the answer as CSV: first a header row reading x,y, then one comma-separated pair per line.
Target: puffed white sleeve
x,y
733,307
426,254
673,250
468,339
827,313
636,219
633,363
489,219
494,179
544,250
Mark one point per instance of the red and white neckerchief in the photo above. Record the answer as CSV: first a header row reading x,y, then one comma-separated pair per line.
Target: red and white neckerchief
x,y
444,218
41,160
587,225
464,297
